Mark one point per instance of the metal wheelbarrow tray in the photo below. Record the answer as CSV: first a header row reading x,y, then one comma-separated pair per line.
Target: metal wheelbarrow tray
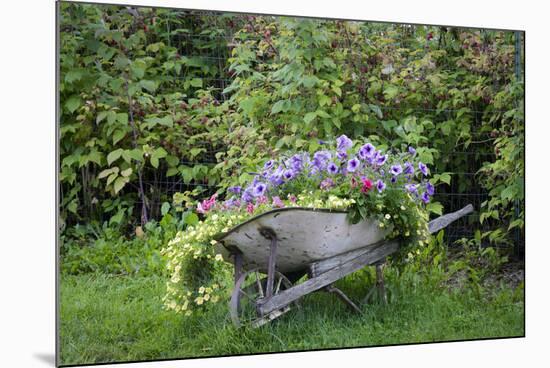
x,y
287,243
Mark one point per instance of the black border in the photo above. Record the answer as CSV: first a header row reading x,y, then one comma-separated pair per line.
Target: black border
x,y
57,167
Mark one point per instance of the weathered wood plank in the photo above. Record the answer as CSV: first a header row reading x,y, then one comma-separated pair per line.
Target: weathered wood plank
x,y
443,221
320,267
287,296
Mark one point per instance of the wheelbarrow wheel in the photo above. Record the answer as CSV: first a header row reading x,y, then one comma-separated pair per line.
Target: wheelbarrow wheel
x,y
249,289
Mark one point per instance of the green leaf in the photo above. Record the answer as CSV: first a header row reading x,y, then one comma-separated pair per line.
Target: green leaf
x,y
136,154
508,193
191,219
277,107
113,156
111,178
126,173
195,151
95,156
309,117
172,160
158,154
435,207
120,182
121,62
73,103
100,116
107,172
196,82
322,114
118,135
165,208
122,118
165,121
390,92
309,81
148,85
73,75
171,171
138,68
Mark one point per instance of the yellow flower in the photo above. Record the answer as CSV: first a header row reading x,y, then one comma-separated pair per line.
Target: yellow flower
x,y
218,257
402,208
206,297
213,242
199,300
201,290
381,224
387,217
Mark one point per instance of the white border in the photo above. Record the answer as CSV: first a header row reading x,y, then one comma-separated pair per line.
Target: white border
x,y
27,182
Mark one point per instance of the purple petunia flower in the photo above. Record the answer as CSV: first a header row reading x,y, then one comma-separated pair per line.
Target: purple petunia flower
x,y
423,168
276,177
425,197
380,185
412,188
288,174
297,163
320,159
430,188
236,189
366,151
353,165
342,155
343,143
332,168
396,170
269,164
393,179
409,168
259,189
327,183
381,159
412,151
247,195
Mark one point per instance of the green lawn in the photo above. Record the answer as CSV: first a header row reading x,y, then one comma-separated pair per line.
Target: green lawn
x,y
107,318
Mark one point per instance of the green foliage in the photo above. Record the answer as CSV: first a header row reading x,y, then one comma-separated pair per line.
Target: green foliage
x,y
505,177
135,108
131,106
106,249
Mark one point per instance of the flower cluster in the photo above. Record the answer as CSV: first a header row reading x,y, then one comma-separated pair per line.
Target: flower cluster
x,y
365,167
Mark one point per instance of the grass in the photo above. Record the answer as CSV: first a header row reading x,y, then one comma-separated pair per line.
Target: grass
x,y
108,319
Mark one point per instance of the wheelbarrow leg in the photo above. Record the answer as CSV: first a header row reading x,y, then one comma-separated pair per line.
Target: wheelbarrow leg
x,y
238,264
332,289
272,259
379,286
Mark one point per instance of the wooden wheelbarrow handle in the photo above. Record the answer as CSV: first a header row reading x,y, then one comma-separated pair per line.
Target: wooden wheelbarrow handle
x,y
443,221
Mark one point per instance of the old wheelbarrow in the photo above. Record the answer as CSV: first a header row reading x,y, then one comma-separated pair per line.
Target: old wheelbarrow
x,y
287,243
